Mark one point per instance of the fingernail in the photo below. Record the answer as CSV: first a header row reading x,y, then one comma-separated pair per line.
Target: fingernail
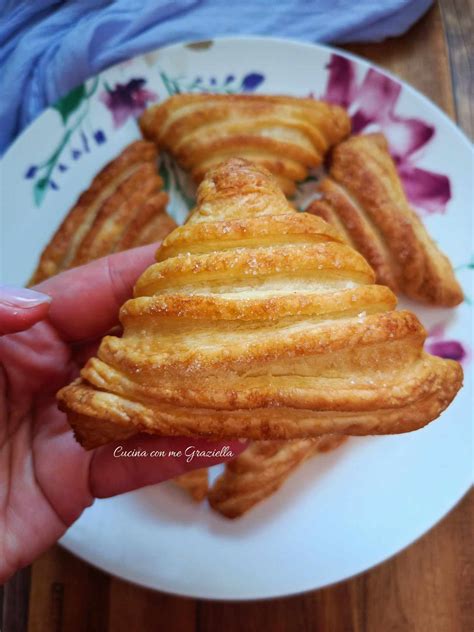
x,y
22,297
243,440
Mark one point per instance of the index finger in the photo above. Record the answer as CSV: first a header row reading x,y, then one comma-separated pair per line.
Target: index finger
x,y
86,300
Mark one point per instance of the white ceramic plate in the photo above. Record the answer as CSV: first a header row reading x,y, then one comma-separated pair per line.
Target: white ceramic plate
x,y
341,513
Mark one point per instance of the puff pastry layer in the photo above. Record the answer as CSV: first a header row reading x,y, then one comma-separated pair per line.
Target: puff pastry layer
x,y
131,225
258,322
196,483
287,135
261,470
364,199
122,208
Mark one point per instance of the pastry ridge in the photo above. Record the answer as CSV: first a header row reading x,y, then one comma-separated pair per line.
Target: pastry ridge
x,y
287,135
139,224
195,482
256,342
261,470
122,208
363,197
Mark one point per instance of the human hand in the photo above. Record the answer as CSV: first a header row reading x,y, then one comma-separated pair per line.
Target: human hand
x,y
46,478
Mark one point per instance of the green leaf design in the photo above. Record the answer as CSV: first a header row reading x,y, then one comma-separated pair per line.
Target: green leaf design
x,y
70,102
39,190
466,266
171,85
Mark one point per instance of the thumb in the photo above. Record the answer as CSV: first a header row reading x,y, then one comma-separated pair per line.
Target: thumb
x,y
21,308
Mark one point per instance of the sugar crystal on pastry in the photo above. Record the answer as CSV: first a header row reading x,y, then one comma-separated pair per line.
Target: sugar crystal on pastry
x,y
123,207
287,135
363,198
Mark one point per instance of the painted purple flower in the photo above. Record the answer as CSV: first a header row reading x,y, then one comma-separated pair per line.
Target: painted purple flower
x,y
251,81
341,81
372,103
31,172
99,137
439,346
430,191
85,142
126,100
450,349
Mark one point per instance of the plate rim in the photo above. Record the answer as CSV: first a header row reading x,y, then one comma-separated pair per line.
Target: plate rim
x,y
262,38
243,599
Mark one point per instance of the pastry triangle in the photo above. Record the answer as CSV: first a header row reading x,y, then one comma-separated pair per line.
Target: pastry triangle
x,y
287,135
364,199
258,322
122,208
261,470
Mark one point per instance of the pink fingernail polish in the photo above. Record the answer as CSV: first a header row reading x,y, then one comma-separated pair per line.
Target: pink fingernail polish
x,y
22,297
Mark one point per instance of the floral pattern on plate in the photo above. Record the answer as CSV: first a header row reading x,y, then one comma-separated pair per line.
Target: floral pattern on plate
x,y
371,101
372,105
122,101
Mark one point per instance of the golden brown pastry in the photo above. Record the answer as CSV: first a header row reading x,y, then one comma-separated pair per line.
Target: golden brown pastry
x,y
261,470
364,199
255,474
258,322
142,224
123,207
195,483
287,135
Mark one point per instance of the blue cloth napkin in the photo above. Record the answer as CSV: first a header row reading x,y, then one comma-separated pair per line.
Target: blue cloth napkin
x,y
49,46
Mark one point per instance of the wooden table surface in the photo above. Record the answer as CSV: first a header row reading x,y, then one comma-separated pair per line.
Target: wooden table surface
x,y
429,587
